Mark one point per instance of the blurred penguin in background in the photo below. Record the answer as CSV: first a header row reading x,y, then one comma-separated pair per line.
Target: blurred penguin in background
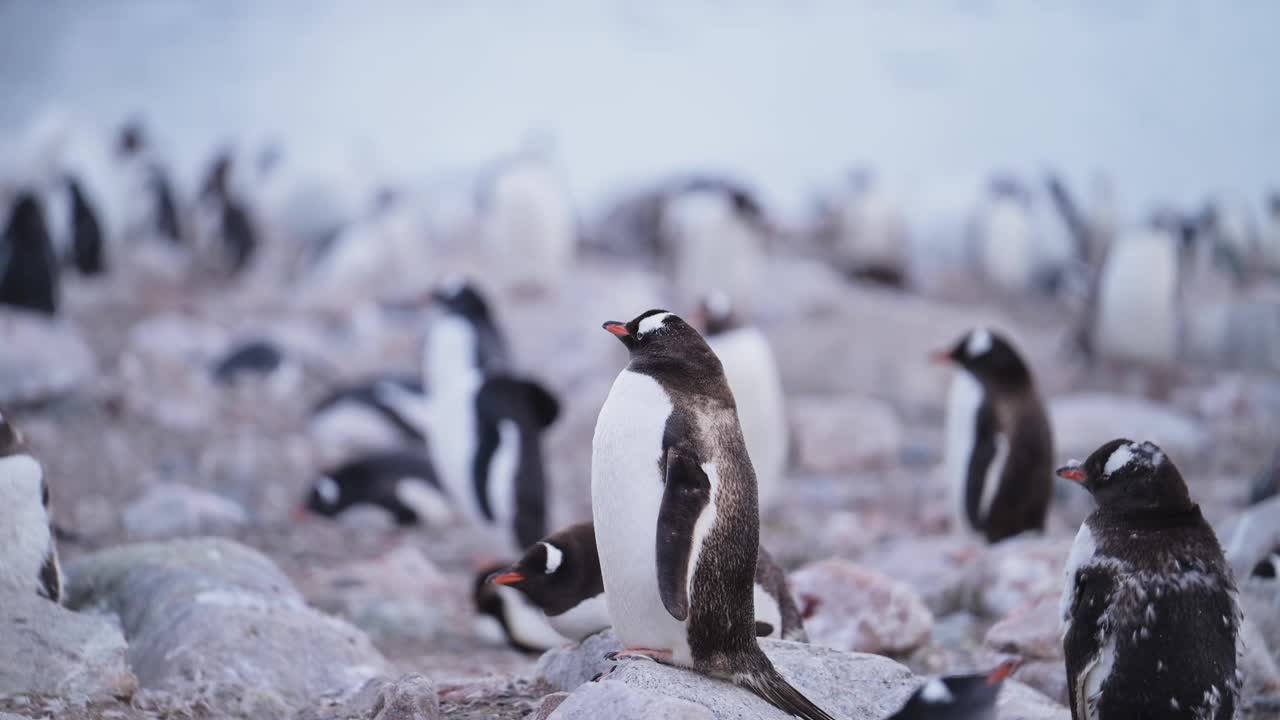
x,y
1005,236
228,235
715,234
152,210
752,372
869,232
527,221
29,268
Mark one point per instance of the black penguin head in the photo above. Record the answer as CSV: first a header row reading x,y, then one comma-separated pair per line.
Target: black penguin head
x,y
1123,474
654,332
666,347
989,357
458,296
540,574
11,440
957,697
132,139
716,313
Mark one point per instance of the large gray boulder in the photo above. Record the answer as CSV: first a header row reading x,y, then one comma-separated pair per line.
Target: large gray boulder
x,y
213,619
48,650
567,667
42,358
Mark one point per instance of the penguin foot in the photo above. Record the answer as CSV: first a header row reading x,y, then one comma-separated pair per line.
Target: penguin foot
x,y
659,656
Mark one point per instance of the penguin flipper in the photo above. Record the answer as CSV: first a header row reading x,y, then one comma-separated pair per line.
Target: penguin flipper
x,y
686,495
980,460
1082,641
51,577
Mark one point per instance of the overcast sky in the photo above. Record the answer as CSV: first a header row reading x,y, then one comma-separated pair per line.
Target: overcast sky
x,y
1172,99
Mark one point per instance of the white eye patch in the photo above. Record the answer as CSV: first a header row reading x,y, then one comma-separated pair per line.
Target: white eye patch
x,y
554,557
935,691
651,323
328,490
979,343
1120,457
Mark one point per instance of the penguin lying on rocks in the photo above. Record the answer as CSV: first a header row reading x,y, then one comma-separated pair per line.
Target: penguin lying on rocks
x,y
957,697
28,555
560,574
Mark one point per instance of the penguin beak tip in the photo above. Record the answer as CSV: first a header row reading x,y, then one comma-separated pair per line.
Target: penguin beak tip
x,y
1072,471
616,328
506,578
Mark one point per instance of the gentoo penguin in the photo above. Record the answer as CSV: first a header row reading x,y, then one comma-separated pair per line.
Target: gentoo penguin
x,y
673,497
999,449
1006,236
477,329
519,622
402,482
28,555
528,223
1138,289
870,232
753,377
957,697
561,575
28,265
363,416
230,228
88,249
714,238
1149,606
157,213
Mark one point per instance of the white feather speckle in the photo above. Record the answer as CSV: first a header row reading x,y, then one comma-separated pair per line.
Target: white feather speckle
x,y
979,343
554,557
651,323
935,691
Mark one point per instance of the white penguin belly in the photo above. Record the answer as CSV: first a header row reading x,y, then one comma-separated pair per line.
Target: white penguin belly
x,y
767,611
453,442
24,526
626,494
963,400
1137,301
753,378
586,618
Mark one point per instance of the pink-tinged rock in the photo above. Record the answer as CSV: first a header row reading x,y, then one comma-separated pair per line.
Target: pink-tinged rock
x,y
1019,571
1032,631
836,433
856,608
939,568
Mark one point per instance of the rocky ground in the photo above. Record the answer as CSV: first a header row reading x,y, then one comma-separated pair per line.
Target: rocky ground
x,y
270,617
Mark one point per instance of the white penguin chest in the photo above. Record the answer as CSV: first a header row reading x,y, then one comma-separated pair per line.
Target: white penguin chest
x,y
626,495
24,524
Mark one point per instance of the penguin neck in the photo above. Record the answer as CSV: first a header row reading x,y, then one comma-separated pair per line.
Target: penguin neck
x,y
449,355
690,375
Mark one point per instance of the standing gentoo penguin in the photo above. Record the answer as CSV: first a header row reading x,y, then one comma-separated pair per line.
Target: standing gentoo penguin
x,y
28,264
561,575
753,377
529,223
673,496
88,248
229,224
957,697
402,482
478,331
870,231
1151,620
999,451
28,555
716,235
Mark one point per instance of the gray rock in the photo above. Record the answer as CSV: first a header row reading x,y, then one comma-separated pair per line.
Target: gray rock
x,y
1019,571
939,568
1260,663
1256,536
215,620
842,433
859,609
42,358
396,596
567,667
1032,631
620,701
547,705
850,686
48,650
172,510
411,697
11,716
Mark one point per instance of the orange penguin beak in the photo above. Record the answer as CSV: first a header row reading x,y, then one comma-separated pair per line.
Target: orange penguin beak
x,y
940,357
299,514
1003,670
616,328
1072,471
507,578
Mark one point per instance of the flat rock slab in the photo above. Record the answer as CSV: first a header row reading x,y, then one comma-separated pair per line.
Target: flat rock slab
x,y
48,650
411,697
215,620
42,358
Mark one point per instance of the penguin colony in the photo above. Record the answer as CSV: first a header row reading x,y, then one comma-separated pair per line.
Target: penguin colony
x,y
691,444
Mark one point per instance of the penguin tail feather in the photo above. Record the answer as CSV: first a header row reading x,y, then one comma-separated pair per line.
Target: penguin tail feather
x,y
767,683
